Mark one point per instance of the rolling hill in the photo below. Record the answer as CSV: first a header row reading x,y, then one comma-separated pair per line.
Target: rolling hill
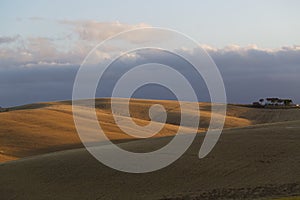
x,y
257,156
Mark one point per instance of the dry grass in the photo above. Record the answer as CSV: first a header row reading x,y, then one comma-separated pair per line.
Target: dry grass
x,y
254,162
256,157
40,128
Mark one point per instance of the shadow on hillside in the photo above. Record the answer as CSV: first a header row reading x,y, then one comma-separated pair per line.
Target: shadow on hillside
x,y
26,107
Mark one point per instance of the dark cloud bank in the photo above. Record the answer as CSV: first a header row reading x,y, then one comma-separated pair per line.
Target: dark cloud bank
x,y
248,73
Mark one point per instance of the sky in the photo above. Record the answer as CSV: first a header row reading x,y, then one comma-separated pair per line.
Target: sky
x,y
267,23
255,44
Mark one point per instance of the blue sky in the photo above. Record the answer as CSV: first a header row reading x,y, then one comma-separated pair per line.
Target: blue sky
x,y
255,44
267,24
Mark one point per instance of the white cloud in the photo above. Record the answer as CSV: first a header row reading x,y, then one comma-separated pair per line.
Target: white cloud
x,y
90,30
71,48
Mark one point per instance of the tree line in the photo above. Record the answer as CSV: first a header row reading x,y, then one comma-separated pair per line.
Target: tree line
x,y
273,101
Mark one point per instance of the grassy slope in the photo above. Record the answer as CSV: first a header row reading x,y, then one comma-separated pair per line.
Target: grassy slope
x,y
257,156
47,127
253,162
288,198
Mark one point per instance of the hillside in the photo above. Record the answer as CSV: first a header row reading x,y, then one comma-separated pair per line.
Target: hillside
x,y
48,127
256,157
255,162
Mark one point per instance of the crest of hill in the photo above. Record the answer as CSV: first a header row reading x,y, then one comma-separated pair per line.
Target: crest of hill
x,y
47,127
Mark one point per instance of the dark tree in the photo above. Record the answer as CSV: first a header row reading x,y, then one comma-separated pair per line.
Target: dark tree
x,y
261,101
287,102
273,100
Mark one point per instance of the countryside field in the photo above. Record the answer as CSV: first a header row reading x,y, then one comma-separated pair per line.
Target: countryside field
x,y
257,156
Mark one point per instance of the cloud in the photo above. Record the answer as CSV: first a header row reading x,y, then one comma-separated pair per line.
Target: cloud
x,y
90,30
36,18
7,39
70,48
35,84
249,73
31,50
96,32
43,69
